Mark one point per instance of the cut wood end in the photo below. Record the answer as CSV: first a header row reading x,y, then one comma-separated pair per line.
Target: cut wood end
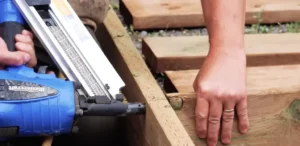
x,y
293,111
176,103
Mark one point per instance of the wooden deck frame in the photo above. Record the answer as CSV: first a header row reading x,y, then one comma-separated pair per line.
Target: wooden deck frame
x,y
160,126
164,126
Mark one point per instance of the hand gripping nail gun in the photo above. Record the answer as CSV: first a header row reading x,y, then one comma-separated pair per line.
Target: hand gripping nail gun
x,y
33,104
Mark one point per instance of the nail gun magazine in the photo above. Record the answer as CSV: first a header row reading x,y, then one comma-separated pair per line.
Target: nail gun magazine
x,y
33,103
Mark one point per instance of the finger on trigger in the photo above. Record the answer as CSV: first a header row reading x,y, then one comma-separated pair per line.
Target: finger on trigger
x,y
214,118
201,111
242,113
227,121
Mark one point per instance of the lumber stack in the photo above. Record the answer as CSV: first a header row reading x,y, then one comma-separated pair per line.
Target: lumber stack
x,y
153,14
273,84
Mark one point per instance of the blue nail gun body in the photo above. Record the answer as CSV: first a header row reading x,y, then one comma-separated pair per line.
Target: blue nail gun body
x,y
30,103
33,104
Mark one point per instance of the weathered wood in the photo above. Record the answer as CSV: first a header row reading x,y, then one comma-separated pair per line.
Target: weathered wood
x,y
149,14
160,126
189,52
273,106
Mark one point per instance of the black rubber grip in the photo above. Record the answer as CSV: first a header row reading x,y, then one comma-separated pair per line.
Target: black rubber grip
x,y
8,31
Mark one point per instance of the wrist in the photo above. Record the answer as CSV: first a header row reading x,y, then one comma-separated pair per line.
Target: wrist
x,y
227,41
233,52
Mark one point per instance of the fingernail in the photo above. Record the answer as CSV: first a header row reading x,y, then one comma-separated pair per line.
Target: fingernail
x,y
226,141
26,57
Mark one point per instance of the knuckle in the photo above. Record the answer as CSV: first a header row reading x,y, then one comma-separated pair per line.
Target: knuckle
x,y
232,94
220,93
228,117
201,116
242,112
214,120
203,88
207,90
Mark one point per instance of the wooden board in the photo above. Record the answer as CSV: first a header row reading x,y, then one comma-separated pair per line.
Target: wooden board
x,y
189,52
156,128
150,14
273,105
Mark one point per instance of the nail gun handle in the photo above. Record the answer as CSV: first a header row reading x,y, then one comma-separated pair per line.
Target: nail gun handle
x,y
8,31
11,23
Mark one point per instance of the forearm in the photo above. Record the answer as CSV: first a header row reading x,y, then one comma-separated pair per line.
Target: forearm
x,y
225,23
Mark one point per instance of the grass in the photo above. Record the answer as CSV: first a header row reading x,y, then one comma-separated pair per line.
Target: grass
x,y
293,27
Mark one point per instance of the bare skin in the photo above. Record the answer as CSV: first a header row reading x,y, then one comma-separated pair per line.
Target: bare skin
x,y
221,82
25,53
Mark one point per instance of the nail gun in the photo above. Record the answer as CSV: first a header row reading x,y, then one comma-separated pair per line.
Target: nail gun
x,y
34,104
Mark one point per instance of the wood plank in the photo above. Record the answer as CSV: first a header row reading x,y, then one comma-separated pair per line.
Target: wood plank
x,y
156,128
149,14
273,106
189,52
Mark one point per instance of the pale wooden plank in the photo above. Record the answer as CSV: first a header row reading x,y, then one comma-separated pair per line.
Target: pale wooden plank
x,y
189,52
273,106
152,14
260,80
156,128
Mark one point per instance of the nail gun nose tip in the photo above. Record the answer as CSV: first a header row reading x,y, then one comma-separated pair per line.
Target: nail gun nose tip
x,y
137,108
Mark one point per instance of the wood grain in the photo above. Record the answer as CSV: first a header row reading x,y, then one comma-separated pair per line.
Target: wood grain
x,y
156,128
273,106
154,14
189,52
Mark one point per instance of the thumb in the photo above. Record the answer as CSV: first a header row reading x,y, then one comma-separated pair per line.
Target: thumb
x,y
14,58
